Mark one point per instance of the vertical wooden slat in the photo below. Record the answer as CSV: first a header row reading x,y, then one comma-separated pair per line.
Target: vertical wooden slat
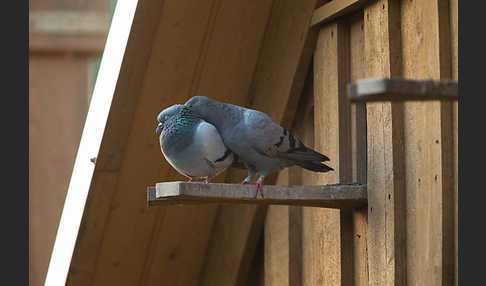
x,y
386,198
327,233
454,74
429,140
359,149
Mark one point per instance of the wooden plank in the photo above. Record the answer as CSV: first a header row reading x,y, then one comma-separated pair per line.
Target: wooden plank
x,y
453,5
330,231
359,150
334,9
277,241
329,196
68,22
386,208
429,128
399,89
85,44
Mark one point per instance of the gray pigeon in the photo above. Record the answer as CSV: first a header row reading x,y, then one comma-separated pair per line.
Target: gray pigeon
x,y
191,145
262,145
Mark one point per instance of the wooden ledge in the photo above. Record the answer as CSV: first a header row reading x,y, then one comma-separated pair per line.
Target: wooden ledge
x,y
398,89
329,196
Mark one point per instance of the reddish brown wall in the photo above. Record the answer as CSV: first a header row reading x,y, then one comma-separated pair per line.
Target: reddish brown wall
x,y
60,84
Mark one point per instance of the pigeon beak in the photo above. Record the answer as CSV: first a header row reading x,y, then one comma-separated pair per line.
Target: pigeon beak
x,y
159,128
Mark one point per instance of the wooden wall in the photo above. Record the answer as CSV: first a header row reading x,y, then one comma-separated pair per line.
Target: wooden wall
x,y
62,49
405,152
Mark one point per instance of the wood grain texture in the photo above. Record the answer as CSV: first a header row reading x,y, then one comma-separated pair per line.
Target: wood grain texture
x,y
398,89
334,9
453,6
386,208
429,133
328,196
330,231
359,149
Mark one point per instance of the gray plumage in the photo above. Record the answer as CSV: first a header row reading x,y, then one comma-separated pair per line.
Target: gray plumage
x,y
191,145
262,145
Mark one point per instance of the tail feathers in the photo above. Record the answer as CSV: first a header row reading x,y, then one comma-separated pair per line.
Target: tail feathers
x,y
305,154
314,166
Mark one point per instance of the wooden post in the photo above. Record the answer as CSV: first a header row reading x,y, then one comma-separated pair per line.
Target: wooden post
x,y
430,180
327,234
386,206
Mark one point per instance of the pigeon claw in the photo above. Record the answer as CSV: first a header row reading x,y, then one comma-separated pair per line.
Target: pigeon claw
x,y
259,187
208,180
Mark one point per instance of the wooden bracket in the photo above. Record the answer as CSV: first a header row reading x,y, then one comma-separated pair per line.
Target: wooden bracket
x,y
330,196
398,89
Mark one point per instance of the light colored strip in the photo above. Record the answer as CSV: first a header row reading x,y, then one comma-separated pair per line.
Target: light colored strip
x,y
68,22
90,143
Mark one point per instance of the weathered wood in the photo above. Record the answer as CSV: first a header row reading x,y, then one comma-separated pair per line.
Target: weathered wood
x,y
429,132
359,151
334,9
453,5
330,231
399,89
386,209
329,196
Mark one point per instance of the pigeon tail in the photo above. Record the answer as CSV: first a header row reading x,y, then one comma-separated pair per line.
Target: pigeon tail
x,y
314,166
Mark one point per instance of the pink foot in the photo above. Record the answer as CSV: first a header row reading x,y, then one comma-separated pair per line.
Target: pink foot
x,y
258,187
191,180
208,180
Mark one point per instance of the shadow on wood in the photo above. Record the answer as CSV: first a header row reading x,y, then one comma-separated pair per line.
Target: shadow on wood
x,y
329,196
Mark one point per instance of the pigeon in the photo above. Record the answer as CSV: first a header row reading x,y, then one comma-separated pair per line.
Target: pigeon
x,y
191,145
262,145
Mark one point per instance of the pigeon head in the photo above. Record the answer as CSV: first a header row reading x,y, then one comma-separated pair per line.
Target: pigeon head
x,y
165,114
201,105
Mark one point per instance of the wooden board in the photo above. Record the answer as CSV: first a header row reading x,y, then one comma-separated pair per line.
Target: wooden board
x,y
399,89
359,150
334,9
429,133
329,231
329,196
386,209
